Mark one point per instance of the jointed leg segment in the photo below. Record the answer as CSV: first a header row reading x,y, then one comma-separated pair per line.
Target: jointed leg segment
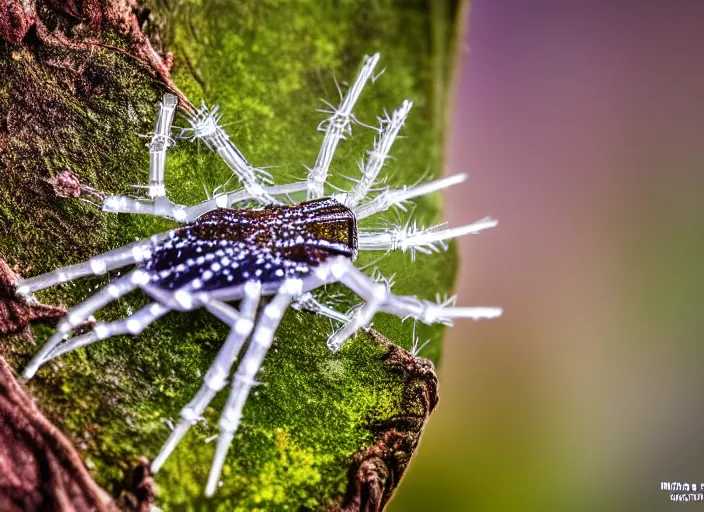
x,y
161,140
80,313
336,127
217,375
379,298
97,265
243,381
206,127
388,132
133,324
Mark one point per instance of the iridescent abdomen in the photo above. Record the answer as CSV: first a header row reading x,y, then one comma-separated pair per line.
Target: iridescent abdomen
x,y
227,247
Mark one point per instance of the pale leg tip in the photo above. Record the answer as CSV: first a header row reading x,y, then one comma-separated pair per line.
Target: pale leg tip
x,y
29,371
155,466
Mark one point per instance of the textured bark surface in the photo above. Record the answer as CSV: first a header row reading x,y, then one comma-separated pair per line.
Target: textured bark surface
x,y
16,315
39,468
377,469
79,83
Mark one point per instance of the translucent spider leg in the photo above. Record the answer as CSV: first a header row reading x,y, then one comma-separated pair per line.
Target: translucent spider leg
x,y
100,264
163,207
133,324
390,126
227,200
309,303
397,197
161,140
337,125
379,298
206,127
218,373
361,318
411,238
80,313
243,381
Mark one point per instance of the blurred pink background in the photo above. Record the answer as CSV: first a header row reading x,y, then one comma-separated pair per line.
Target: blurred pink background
x,y
581,125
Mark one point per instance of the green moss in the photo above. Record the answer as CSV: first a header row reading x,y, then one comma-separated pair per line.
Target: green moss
x,y
266,63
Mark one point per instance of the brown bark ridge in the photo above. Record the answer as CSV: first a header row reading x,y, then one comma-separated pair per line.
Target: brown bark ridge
x,y
377,470
15,313
85,21
39,468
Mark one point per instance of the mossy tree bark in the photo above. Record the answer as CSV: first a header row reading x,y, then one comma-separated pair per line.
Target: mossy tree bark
x,y
79,83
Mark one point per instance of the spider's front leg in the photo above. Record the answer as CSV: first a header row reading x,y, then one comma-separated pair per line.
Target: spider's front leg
x,y
379,298
241,324
80,313
117,258
307,302
244,379
413,239
337,125
388,132
206,127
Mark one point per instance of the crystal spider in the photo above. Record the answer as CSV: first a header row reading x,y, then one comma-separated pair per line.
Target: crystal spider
x,y
223,254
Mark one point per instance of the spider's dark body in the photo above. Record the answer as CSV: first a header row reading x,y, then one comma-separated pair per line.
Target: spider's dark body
x,y
227,247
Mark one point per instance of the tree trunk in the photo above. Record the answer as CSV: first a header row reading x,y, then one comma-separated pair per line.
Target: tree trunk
x,y
80,83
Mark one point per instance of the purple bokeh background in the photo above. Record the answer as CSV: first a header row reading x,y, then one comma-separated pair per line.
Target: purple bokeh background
x,y
581,125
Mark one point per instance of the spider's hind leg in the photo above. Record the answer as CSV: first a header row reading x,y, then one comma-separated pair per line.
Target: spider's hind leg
x,y
161,141
243,381
133,324
158,203
97,265
241,324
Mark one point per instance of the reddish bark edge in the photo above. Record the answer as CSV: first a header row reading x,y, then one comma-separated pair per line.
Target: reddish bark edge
x,y
39,468
378,469
16,314
20,19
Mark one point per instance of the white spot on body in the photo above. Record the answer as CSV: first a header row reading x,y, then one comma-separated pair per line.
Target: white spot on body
x,y
184,299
